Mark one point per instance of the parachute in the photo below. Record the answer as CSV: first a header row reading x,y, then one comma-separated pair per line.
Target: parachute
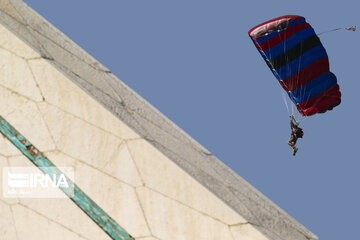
x,y
295,55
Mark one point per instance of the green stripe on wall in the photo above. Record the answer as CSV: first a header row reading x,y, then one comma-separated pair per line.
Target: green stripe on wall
x,y
101,218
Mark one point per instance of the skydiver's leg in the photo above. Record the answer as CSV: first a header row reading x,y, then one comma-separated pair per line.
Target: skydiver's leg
x,y
291,142
295,149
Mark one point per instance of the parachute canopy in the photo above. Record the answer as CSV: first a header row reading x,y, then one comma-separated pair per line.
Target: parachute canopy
x,y
295,55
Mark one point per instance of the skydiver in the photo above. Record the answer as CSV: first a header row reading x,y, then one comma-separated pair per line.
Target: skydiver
x,y
296,132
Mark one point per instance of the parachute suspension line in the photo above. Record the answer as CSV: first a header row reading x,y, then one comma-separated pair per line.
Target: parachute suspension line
x,y
293,110
302,93
298,77
285,101
332,30
286,98
352,28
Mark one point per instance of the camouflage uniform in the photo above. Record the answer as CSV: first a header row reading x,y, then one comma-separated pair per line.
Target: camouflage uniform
x,y
296,132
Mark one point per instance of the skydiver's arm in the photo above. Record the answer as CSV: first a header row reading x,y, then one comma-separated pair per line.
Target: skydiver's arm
x,y
292,125
293,121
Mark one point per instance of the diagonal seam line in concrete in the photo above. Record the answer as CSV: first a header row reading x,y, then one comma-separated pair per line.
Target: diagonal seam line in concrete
x,y
101,218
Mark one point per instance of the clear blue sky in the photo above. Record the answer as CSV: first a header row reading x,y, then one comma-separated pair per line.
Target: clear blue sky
x,y
194,61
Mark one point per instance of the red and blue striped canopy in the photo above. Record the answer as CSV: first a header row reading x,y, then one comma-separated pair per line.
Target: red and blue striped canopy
x,y
295,55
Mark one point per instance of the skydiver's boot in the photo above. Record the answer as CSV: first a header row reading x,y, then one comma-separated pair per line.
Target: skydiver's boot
x,y
295,149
